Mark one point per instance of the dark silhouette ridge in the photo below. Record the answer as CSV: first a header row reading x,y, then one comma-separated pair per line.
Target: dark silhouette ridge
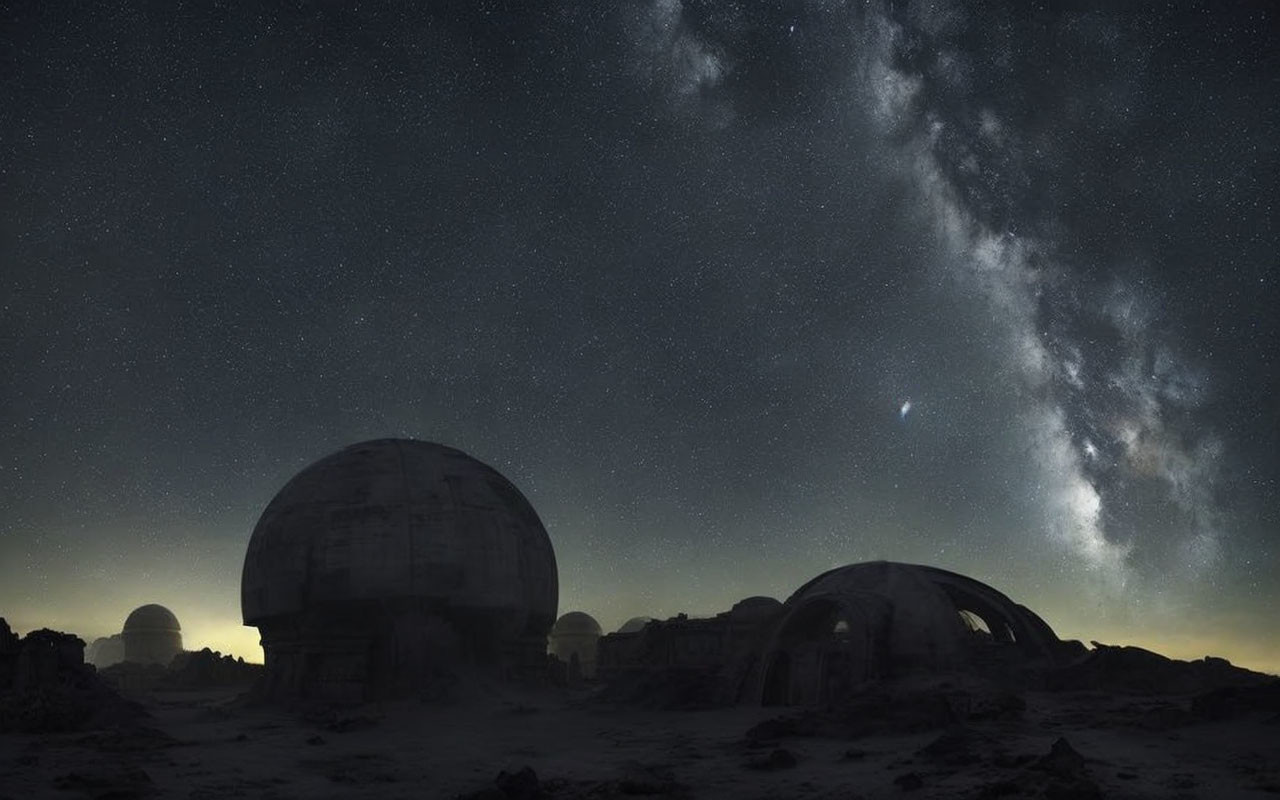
x,y
46,687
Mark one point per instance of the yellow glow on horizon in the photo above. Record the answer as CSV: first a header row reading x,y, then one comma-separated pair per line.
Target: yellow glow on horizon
x,y
1260,656
229,638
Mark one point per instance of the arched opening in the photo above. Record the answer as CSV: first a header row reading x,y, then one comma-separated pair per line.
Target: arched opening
x,y
985,628
821,651
987,611
974,624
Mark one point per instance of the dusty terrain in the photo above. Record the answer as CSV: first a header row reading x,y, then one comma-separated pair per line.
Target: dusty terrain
x,y
210,744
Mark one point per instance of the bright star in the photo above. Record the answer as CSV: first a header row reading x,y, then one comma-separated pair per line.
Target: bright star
x,y
906,406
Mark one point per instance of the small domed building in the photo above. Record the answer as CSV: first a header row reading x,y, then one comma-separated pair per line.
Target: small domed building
x,y
151,635
574,636
393,565
634,625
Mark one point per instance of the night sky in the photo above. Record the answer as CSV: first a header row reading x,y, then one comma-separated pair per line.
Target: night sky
x,y
734,292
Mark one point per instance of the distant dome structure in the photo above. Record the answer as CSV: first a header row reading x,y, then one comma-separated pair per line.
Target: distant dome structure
x,y
574,636
756,608
634,625
384,568
883,619
151,635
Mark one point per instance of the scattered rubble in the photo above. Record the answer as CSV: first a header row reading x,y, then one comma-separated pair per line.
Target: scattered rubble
x,y
1060,774
118,782
892,708
1234,701
778,758
634,780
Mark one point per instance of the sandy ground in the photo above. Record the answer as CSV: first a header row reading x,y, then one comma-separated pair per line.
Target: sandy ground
x,y
205,745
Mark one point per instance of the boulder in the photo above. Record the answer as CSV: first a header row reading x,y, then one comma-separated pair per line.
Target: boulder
x,y
523,784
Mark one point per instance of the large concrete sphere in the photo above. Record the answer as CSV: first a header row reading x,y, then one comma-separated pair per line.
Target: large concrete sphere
x,y
388,545
151,635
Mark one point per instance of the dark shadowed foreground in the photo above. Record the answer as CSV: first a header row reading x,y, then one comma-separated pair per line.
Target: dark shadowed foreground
x,y
1101,733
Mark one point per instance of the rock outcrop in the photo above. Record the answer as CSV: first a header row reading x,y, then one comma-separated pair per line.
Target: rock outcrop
x,y
45,685
199,669
1134,670
105,651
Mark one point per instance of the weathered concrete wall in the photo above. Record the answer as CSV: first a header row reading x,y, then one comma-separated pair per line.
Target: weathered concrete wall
x,y
845,627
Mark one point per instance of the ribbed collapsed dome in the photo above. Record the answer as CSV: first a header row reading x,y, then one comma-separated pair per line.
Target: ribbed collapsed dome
x,y
881,619
576,623
151,618
929,610
401,520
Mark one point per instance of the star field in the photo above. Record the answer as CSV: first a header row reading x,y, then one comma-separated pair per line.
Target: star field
x,y
734,293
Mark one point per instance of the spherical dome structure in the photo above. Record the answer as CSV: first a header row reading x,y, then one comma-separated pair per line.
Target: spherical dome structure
x,y
151,617
754,609
151,635
576,623
573,638
379,562
634,625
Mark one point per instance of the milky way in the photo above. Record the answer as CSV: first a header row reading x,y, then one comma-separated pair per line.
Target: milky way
x,y
1078,395
674,268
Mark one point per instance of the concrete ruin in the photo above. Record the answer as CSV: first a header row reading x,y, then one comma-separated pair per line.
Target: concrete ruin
x,y
882,619
151,635
841,630
391,567
683,643
573,640
395,566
